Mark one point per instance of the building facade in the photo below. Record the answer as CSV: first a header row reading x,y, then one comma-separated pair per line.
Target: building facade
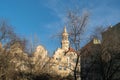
x,y
64,59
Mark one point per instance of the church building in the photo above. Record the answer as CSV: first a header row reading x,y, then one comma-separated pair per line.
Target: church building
x,y
64,58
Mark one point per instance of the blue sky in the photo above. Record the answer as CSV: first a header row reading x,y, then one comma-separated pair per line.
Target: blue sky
x,y
45,18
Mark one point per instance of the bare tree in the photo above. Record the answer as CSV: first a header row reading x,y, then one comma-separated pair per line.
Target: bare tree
x,y
76,26
6,32
102,61
33,42
111,52
10,43
6,36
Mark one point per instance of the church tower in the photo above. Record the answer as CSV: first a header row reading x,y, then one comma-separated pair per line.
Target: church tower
x,y
65,41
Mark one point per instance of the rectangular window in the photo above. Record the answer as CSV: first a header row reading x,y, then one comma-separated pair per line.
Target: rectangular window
x,y
60,67
59,59
65,68
75,60
69,65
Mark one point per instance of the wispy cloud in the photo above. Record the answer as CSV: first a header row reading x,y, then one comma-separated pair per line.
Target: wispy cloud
x,y
60,8
102,12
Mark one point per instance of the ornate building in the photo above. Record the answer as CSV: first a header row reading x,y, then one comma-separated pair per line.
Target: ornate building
x,y
64,58
39,59
40,53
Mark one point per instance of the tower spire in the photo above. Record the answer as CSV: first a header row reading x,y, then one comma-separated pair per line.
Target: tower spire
x,y
65,31
65,41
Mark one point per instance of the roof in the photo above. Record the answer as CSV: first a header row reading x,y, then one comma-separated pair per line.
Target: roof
x,y
89,49
115,28
70,50
111,38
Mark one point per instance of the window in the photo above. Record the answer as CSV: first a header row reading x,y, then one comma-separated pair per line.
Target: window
x,y
69,65
59,59
75,60
60,67
65,68
68,59
56,58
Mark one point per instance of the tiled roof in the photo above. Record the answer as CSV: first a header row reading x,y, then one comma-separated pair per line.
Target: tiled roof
x,y
70,50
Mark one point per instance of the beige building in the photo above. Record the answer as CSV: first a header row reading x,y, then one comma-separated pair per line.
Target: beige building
x,y
18,57
64,58
40,53
63,61
40,59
